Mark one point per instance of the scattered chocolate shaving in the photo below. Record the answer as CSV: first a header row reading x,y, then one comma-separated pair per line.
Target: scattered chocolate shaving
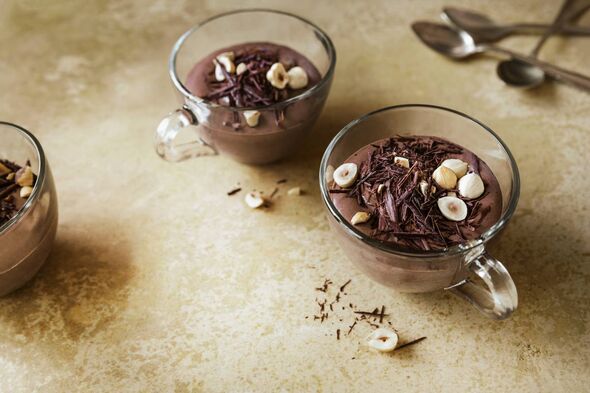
x,y
351,327
382,314
273,193
344,286
324,287
234,191
337,334
281,181
410,343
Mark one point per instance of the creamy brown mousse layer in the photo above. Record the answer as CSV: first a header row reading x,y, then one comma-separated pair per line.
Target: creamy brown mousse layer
x,y
252,89
402,211
16,185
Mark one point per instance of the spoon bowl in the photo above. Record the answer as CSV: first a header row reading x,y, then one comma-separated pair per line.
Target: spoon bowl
x,y
519,74
445,40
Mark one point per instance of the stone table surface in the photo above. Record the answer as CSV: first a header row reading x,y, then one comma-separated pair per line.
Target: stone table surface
x,y
161,282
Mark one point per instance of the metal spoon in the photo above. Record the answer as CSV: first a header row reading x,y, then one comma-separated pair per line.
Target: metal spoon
x,y
519,74
483,29
459,44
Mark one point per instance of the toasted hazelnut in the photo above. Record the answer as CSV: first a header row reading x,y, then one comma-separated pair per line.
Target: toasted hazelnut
x,y
224,60
254,200
382,340
297,78
345,175
452,208
456,165
471,186
360,218
24,176
380,188
277,76
445,177
10,176
4,170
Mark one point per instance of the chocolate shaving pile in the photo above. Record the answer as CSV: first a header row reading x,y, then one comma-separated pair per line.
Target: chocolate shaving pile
x,y
400,213
251,88
8,189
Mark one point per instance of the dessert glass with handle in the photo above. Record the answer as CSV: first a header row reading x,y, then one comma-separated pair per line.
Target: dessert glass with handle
x,y
201,127
27,238
455,269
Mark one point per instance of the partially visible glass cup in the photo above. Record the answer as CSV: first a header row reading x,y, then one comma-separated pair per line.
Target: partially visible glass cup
x,y
27,238
424,271
212,130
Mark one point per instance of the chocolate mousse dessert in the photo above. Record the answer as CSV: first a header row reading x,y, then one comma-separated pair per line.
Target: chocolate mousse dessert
x,y
16,185
253,75
417,193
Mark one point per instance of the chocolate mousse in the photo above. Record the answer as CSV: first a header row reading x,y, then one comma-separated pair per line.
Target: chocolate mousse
x,y
16,185
417,193
254,75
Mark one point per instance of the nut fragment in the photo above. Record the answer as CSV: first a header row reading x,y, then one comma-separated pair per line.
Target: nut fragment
x,y
445,177
380,188
452,208
456,165
254,200
230,55
383,340
297,78
252,118
24,176
4,170
402,161
10,176
345,175
295,191
25,192
471,186
360,218
277,76
241,68
424,188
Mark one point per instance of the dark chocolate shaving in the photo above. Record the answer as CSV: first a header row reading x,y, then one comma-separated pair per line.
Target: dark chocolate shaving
x,y
400,212
9,191
251,88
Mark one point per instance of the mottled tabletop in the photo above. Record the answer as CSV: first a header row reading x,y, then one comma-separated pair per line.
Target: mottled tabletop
x,y
160,282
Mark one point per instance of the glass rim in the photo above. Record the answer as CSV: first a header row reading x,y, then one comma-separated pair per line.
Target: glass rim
x,y
307,93
458,249
33,141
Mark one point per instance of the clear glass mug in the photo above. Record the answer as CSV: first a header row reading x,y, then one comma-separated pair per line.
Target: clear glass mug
x,y
215,132
424,271
27,238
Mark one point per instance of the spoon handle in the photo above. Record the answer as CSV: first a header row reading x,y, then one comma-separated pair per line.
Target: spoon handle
x,y
535,28
556,72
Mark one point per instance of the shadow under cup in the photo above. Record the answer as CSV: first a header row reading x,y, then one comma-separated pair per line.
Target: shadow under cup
x,y
214,128
423,271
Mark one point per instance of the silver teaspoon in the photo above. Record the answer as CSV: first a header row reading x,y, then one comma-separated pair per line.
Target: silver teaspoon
x,y
484,29
524,75
459,44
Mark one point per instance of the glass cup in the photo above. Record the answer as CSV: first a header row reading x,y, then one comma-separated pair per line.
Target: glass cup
x,y
215,132
27,238
423,271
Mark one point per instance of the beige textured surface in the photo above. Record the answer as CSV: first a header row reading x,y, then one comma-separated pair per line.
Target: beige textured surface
x,y
160,282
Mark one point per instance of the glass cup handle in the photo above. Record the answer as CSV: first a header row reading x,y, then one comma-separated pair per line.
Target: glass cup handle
x,y
167,131
498,298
